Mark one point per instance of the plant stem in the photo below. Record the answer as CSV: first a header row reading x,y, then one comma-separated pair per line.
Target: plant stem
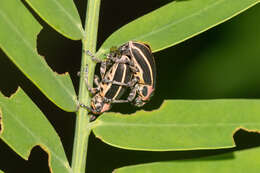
x,y
83,129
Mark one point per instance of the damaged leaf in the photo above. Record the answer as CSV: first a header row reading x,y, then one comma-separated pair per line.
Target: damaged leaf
x,y
18,34
239,162
24,126
180,125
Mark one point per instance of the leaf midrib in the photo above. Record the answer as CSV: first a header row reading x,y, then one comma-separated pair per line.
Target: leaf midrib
x,y
178,21
102,123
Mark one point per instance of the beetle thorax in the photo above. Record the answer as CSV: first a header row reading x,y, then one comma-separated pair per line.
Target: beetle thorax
x,y
98,104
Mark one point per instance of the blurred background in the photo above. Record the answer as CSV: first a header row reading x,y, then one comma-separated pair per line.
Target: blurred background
x,y
223,62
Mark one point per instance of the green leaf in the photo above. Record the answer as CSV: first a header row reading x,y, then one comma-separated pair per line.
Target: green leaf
x,y
226,60
18,34
239,162
62,15
1,171
180,125
176,22
24,126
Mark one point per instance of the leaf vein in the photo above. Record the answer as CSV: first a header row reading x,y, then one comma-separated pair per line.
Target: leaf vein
x,y
176,125
178,21
37,138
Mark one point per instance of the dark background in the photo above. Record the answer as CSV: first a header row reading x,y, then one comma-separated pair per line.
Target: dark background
x,y
220,63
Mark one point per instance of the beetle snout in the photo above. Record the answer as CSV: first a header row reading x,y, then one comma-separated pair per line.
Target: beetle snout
x,y
139,102
146,92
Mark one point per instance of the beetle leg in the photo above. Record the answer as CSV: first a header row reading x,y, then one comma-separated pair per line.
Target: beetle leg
x,y
128,84
126,60
95,59
133,82
114,82
89,109
124,49
134,69
106,100
96,80
103,68
126,52
117,83
132,94
107,80
119,101
86,107
91,89
115,101
122,59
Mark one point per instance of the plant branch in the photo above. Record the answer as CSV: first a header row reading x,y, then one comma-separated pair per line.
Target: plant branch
x,y
83,129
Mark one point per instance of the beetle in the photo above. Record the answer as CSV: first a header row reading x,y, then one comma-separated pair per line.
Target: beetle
x,y
107,93
139,57
141,61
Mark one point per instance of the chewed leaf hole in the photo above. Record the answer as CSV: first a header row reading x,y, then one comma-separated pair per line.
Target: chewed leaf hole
x,y
246,139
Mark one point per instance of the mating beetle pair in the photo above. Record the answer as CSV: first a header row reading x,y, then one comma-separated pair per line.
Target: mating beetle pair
x,y
106,92
131,66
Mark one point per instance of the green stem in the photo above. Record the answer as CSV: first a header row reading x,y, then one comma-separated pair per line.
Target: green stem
x,y
83,129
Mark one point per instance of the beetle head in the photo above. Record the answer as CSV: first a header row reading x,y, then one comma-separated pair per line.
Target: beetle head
x,y
98,104
145,92
139,102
